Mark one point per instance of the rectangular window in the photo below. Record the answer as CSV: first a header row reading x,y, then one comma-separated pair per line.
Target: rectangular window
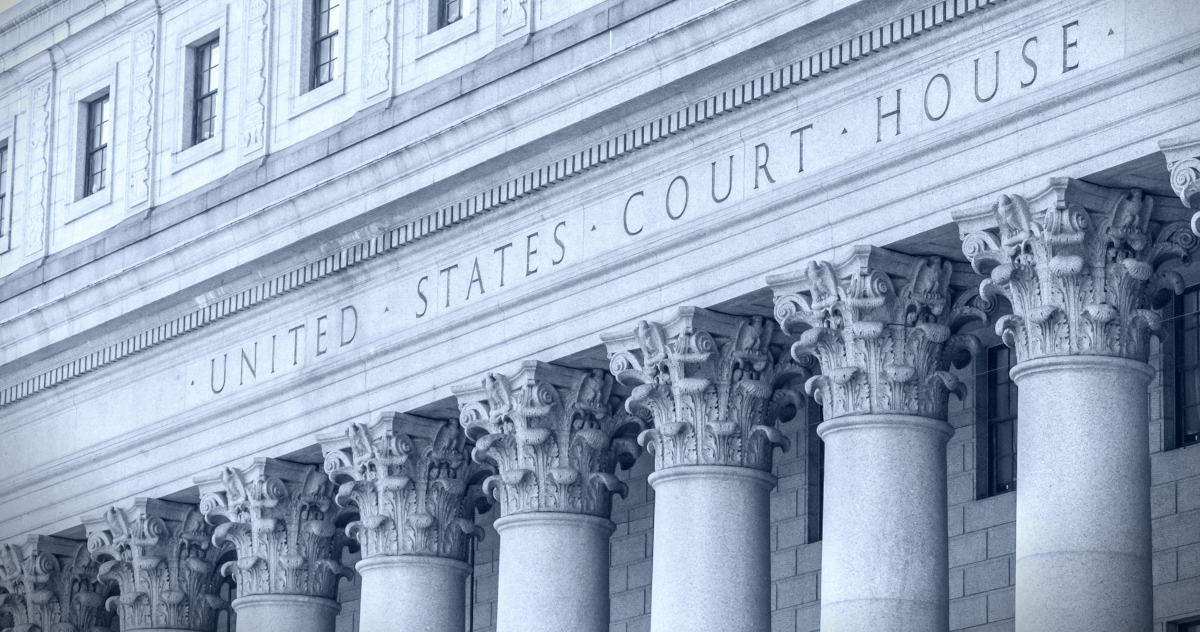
x,y
816,473
326,22
1187,368
204,90
1001,422
99,133
449,12
3,187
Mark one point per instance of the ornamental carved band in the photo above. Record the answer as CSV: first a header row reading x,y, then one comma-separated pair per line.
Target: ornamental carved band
x,y
714,384
161,555
884,330
1081,281
49,584
414,487
280,517
555,435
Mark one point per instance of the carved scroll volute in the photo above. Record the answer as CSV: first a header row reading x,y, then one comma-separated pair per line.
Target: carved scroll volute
x,y
555,436
716,387
1183,161
162,556
412,483
281,518
1084,269
51,584
884,328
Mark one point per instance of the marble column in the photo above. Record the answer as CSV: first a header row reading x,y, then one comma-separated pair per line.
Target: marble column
x,y
883,328
711,383
161,555
1183,161
1082,267
555,436
416,493
50,584
280,517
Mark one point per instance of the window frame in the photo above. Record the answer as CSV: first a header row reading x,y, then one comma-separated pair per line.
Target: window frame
x,y
986,426
5,197
103,149
1175,384
816,472
197,96
442,19
317,38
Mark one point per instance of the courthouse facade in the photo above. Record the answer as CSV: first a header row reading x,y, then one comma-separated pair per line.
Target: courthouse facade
x,y
590,315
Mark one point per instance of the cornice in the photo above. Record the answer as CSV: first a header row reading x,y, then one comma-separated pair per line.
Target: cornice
x,y
803,70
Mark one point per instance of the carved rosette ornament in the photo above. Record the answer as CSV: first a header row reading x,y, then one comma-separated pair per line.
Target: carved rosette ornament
x,y
410,478
280,517
161,555
1082,280
49,584
554,434
884,329
714,384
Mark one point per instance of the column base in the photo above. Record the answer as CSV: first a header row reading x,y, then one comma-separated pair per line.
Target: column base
x,y
553,573
286,613
712,567
412,593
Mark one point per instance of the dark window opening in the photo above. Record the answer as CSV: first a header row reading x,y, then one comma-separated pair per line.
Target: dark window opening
x,y
3,186
204,112
816,473
449,12
326,23
1001,422
99,131
1187,368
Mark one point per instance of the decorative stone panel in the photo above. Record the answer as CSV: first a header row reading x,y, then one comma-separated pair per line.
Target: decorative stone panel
x,y
884,328
281,518
1083,266
410,478
161,555
714,384
50,584
555,436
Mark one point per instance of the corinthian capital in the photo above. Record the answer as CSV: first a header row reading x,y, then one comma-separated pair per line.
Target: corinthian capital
x,y
409,477
555,435
714,385
51,584
1183,160
280,517
884,328
161,555
1083,267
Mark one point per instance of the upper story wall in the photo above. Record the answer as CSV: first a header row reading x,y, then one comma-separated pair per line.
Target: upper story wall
x,y
58,55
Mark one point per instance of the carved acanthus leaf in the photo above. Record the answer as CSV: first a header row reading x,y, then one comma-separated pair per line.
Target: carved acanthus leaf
x,y
884,330
162,556
51,584
410,478
281,518
1081,281
555,435
715,386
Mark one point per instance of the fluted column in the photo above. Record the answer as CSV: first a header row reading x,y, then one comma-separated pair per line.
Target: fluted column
x,y
50,584
555,436
712,383
161,555
1082,267
882,326
416,493
280,517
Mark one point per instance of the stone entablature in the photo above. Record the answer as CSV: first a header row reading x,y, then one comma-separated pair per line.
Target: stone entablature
x,y
715,386
884,328
555,436
50,584
161,555
412,482
1084,268
281,518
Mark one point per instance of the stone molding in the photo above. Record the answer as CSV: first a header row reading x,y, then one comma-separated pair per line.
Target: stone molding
x,y
161,555
281,518
412,482
883,327
555,436
714,384
801,71
1083,267
50,584
1183,161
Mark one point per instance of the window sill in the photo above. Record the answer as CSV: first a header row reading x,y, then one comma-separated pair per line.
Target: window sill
x,y
90,204
447,35
181,160
318,96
